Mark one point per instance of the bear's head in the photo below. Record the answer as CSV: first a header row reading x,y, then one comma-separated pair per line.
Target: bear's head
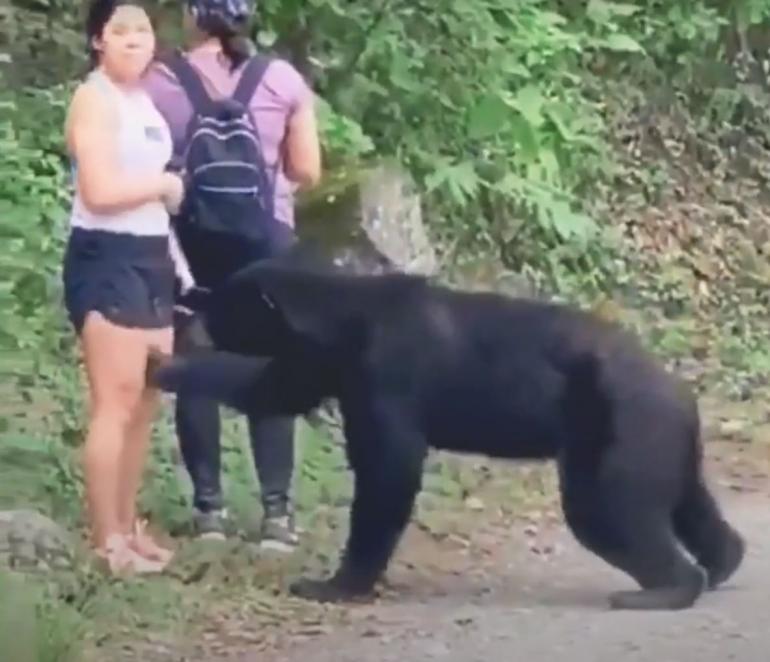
x,y
278,306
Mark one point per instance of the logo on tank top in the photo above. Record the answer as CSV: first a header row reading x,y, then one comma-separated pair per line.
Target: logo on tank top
x,y
154,133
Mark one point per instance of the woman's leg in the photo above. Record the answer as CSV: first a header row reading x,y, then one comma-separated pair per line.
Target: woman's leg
x,y
135,449
114,357
138,432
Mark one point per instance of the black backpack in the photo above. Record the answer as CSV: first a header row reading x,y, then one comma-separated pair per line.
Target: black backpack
x,y
227,217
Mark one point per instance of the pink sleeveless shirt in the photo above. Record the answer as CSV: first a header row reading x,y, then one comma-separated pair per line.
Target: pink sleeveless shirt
x,y
279,95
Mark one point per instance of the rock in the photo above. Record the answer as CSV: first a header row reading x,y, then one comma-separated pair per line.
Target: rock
x,y
440,485
736,430
436,649
368,220
392,219
434,465
516,284
732,426
30,540
531,530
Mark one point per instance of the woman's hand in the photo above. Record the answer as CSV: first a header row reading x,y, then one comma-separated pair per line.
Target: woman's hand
x,y
173,192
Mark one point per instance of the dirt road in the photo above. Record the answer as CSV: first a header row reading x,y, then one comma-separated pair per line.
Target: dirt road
x,y
513,604
513,584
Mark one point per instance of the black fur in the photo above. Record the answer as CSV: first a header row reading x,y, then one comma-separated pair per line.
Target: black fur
x,y
416,365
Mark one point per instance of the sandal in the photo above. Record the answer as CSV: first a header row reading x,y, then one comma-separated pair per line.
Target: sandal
x,y
122,559
142,543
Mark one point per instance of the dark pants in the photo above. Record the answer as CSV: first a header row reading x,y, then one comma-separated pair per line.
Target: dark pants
x,y
198,429
213,258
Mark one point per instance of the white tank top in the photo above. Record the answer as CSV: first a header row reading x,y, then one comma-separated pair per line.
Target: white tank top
x,y
144,147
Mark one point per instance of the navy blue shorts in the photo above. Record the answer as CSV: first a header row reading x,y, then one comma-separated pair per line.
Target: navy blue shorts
x,y
129,279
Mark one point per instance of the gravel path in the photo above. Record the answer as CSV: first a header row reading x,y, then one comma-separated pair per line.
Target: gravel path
x,y
510,603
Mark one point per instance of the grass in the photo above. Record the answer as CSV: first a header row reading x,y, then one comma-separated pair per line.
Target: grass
x,y
60,616
69,615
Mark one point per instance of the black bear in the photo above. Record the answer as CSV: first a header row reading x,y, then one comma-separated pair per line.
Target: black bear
x,y
415,365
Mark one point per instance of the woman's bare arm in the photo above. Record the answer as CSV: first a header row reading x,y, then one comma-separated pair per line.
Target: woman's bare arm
x,y
302,149
91,130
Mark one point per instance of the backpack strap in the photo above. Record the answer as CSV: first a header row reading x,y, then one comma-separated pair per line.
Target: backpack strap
x,y
250,78
190,81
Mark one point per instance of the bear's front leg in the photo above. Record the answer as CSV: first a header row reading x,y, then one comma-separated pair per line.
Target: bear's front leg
x,y
386,453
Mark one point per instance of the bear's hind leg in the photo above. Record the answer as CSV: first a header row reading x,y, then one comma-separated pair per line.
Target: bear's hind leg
x,y
700,526
623,524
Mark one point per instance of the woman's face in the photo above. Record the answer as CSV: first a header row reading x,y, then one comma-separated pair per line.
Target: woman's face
x,y
127,43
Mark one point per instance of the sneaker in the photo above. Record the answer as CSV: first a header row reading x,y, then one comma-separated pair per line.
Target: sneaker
x,y
210,525
278,533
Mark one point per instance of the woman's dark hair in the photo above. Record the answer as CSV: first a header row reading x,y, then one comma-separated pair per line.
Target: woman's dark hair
x,y
235,45
99,14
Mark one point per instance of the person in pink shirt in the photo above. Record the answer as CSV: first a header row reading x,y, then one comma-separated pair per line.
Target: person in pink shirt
x,y
282,110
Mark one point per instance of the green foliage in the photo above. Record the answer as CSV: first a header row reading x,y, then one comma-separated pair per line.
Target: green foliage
x,y
343,138
496,107
35,628
33,196
479,99
42,399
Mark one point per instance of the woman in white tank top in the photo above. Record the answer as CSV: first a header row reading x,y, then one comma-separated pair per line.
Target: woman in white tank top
x,y
118,270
